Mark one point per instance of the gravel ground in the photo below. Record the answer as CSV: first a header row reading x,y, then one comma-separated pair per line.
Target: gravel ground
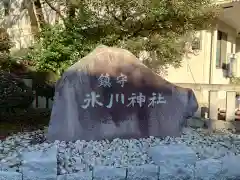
x,y
82,155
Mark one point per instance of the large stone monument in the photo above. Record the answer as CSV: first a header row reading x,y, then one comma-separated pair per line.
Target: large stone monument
x,y
110,94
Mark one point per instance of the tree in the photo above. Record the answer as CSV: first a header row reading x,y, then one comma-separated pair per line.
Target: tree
x,y
28,4
156,26
39,13
6,5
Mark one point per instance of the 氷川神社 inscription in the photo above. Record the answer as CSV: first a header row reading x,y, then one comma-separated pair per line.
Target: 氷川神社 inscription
x,y
136,99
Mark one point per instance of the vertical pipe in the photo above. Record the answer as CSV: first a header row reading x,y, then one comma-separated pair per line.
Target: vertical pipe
x,y
211,57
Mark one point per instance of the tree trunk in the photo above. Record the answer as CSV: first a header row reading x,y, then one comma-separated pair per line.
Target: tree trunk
x,y
39,13
6,5
71,10
57,14
33,19
57,10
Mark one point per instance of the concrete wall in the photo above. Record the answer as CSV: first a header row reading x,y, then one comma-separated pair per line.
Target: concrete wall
x,y
193,68
196,69
218,74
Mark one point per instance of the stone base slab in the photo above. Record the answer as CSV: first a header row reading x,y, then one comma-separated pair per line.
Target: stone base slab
x,y
220,124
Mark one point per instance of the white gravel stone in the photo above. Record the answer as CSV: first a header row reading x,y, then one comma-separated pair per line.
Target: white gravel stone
x,y
10,175
208,169
144,172
109,173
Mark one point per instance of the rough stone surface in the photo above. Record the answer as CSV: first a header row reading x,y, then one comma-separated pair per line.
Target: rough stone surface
x,y
40,165
76,176
208,169
230,167
171,172
114,117
195,122
144,172
4,175
109,173
176,154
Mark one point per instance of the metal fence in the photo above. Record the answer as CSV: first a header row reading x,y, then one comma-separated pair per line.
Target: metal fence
x,y
39,101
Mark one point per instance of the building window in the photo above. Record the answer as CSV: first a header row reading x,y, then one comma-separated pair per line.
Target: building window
x,y
221,49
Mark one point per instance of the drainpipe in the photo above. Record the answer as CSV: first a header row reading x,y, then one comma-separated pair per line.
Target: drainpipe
x,y
210,71
211,57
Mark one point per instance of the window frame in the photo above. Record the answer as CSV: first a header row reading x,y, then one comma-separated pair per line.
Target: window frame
x,y
221,49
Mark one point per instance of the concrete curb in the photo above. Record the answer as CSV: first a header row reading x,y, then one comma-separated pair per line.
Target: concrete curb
x,y
171,162
203,169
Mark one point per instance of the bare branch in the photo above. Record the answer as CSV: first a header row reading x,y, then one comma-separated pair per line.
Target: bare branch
x,y
55,9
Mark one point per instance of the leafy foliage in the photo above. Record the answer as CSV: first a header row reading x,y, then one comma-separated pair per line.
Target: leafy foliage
x,y
5,42
155,26
5,61
14,93
14,64
58,48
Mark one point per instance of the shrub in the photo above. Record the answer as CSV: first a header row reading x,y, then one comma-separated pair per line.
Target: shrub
x,y
5,42
56,50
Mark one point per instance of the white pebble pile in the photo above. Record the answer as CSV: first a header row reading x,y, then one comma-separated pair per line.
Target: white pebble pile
x,y
82,155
